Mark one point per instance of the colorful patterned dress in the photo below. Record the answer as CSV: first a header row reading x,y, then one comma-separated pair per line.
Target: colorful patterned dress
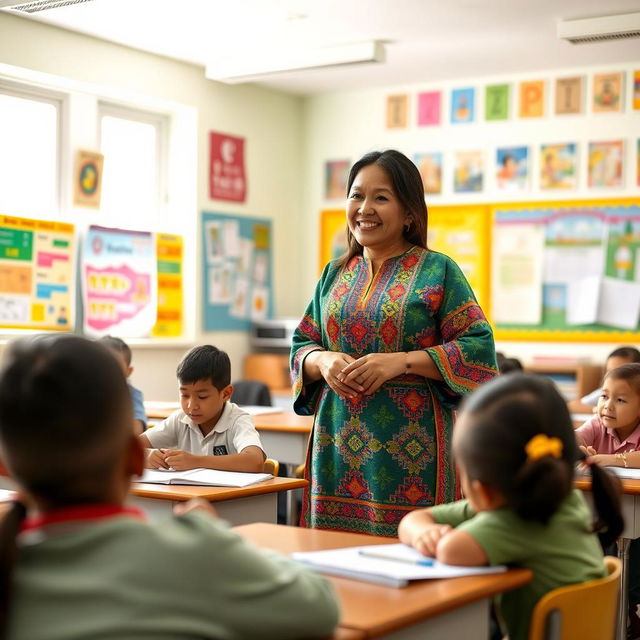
x,y
376,457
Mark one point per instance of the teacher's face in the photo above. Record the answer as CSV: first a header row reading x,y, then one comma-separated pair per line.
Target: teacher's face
x,y
375,216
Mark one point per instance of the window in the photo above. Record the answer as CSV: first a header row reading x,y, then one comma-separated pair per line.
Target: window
x,y
29,153
133,186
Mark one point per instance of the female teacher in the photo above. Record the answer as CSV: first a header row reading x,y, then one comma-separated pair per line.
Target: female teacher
x,y
391,340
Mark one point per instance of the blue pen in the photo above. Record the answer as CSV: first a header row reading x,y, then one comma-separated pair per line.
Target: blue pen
x,y
424,562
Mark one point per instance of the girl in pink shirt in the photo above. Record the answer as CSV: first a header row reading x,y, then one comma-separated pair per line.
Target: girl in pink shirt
x,y
612,436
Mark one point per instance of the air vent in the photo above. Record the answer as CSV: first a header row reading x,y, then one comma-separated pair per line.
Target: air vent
x,y
600,29
32,6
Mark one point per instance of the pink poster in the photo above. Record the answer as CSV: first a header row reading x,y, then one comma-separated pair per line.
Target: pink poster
x,y
227,177
429,108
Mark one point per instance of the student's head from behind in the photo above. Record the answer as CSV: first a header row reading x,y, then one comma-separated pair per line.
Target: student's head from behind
x,y
65,421
510,365
619,402
121,350
401,178
204,377
515,446
620,356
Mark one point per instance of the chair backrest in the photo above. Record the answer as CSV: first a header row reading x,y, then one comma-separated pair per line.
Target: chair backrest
x,y
271,466
251,392
579,611
270,368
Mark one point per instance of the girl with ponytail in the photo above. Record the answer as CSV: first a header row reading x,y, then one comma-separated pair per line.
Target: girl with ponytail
x,y
515,451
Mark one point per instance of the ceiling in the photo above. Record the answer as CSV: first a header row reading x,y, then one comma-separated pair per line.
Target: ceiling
x,y
427,40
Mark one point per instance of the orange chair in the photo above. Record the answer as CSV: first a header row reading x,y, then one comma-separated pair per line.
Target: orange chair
x,y
271,466
579,611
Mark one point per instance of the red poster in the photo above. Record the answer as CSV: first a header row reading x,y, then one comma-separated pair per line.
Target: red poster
x,y
227,179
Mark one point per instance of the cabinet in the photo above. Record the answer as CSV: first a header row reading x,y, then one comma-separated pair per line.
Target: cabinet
x,y
573,380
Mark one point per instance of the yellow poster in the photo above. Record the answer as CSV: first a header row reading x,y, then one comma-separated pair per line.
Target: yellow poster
x,y
170,254
463,233
333,235
531,99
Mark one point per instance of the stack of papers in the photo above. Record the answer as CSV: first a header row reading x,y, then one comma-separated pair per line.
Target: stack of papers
x,y
622,472
389,564
206,477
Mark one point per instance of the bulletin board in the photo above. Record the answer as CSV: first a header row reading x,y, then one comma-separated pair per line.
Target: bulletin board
x,y
237,280
566,271
464,234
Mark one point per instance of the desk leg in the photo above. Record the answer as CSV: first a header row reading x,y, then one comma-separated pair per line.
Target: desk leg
x,y
623,602
293,516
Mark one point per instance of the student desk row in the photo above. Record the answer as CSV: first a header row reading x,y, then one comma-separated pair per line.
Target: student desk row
x,y
433,609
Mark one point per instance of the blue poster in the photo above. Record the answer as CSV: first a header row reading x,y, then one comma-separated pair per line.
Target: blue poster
x,y
237,279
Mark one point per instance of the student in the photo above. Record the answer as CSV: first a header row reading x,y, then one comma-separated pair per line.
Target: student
x,y
122,352
509,365
209,431
621,355
515,450
81,564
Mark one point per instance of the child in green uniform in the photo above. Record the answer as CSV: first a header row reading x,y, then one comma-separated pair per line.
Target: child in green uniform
x,y
77,564
515,450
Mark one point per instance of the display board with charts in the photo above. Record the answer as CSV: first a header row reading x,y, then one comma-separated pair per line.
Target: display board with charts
x,y
237,279
566,270
37,274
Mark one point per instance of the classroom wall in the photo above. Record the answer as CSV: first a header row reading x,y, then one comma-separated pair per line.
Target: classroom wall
x,y
271,122
345,125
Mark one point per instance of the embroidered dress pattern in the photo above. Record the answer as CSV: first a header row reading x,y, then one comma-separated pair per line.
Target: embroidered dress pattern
x,y
376,457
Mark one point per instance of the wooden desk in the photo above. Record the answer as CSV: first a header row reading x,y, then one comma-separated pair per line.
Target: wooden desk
x,y
433,609
630,505
284,436
159,410
238,505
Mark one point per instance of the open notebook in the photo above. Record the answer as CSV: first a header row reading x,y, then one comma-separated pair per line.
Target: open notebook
x,y
207,477
390,564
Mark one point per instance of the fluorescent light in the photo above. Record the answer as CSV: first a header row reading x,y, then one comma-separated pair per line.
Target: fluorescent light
x,y
236,70
602,28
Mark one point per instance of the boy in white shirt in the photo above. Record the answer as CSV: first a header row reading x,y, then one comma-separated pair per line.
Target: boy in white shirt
x,y
209,431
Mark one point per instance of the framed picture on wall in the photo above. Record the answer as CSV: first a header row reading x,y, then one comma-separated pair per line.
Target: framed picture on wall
x,y
462,105
430,167
512,168
607,92
429,108
333,235
558,166
336,173
397,111
532,99
569,95
606,164
496,104
467,171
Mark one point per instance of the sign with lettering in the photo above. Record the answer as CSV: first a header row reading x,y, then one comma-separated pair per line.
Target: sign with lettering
x,y
227,177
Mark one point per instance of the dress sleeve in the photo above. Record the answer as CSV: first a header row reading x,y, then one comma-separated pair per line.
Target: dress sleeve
x,y
467,356
308,337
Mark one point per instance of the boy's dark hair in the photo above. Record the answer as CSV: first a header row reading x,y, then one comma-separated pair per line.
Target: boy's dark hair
x,y
205,362
505,415
117,345
407,185
65,419
509,365
629,372
630,353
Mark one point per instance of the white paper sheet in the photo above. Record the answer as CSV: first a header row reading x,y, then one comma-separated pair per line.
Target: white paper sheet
x,y
619,304
582,300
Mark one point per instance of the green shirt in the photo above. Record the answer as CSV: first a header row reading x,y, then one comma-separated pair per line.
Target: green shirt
x,y
560,553
183,578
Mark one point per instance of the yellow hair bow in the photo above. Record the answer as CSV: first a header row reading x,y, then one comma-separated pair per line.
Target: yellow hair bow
x,y
542,445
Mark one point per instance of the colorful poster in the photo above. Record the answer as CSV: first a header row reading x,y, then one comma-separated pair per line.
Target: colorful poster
x,y
333,235
119,282
336,173
227,175
467,171
496,103
638,162
512,168
430,167
606,163
558,166
462,105
531,99
397,111
607,92
462,232
237,282
170,256
87,179
429,108
37,274
636,90
623,243
569,95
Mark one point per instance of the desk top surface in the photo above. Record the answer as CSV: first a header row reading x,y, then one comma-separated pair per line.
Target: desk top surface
x,y
182,492
285,421
629,486
374,609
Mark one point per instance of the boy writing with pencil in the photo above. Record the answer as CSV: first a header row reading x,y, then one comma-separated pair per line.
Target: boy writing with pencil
x,y
208,431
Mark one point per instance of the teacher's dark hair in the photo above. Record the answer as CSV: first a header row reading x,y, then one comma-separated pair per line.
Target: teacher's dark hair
x,y
65,421
505,415
408,188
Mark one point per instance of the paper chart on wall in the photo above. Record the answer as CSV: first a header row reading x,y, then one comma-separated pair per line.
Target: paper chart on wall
x,y
516,274
119,282
170,317
37,274
237,278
